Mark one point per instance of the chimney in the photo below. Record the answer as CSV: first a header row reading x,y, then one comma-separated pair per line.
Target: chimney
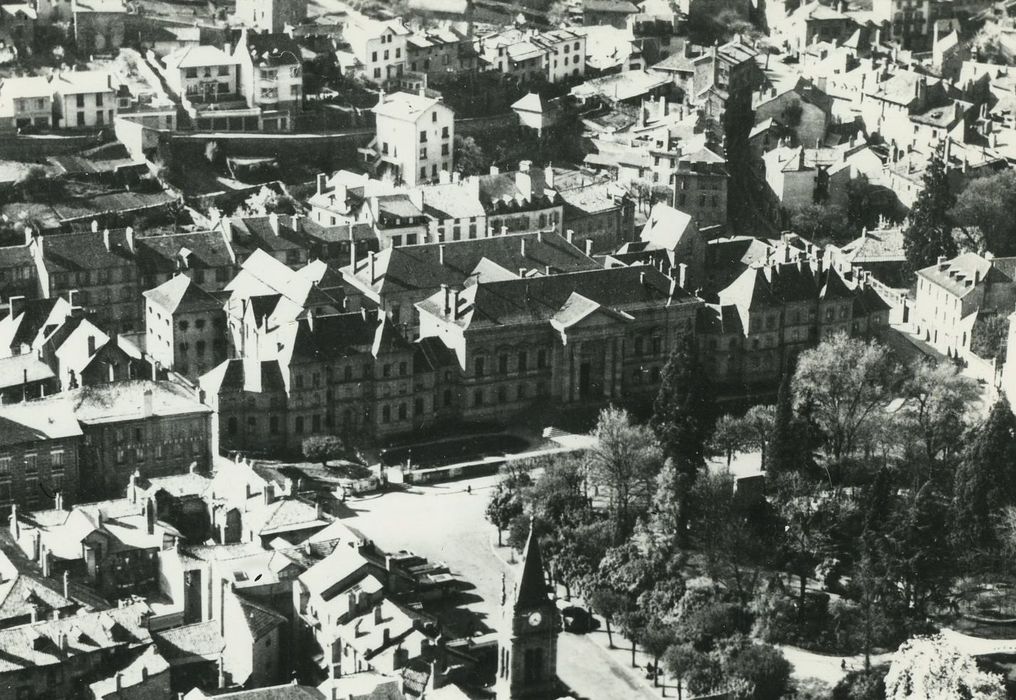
x,y
456,177
682,275
58,501
440,253
294,222
147,404
446,294
273,221
91,345
144,674
128,234
105,238
227,229
569,235
504,230
942,264
322,183
494,170
523,247
589,247
548,177
67,585
118,678
310,319
370,264
95,226
15,526
525,165
455,304
45,560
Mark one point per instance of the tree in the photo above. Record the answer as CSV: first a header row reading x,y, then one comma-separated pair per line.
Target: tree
x,y
321,448
624,461
763,667
928,234
861,685
990,336
784,450
503,507
984,208
746,433
632,622
803,509
937,401
822,223
932,667
984,483
847,382
469,157
267,201
920,560
608,604
683,421
693,669
656,639
38,185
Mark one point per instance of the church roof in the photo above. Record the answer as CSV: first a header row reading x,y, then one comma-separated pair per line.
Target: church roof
x,y
532,589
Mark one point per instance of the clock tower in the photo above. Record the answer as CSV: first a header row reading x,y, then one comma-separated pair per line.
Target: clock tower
x,y
527,636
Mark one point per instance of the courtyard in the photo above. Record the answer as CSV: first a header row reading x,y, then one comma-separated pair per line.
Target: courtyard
x,y
445,522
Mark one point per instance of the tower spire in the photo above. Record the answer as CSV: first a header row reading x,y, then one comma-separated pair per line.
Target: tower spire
x,y
532,588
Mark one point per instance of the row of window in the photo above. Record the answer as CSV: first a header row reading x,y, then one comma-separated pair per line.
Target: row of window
x,y
140,453
521,362
31,462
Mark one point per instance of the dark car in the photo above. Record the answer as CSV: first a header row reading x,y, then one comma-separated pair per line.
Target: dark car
x,y
577,620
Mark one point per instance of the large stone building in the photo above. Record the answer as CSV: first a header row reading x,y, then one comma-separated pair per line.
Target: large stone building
x,y
38,452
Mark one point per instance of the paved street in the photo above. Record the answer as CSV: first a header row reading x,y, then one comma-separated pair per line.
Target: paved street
x,y
444,523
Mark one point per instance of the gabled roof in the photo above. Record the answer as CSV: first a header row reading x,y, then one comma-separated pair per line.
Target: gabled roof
x,y
25,594
964,273
81,82
30,421
181,294
260,620
666,227
530,102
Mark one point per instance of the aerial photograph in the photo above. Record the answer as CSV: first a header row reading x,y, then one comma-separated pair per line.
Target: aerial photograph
x,y
507,349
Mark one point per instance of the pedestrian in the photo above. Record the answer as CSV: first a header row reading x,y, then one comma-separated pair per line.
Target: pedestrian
x,y
843,664
469,489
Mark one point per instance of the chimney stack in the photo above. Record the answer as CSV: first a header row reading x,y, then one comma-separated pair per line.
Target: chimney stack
x,y
682,275
446,294
67,585
105,239
148,403
589,247
440,253
371,265
569,235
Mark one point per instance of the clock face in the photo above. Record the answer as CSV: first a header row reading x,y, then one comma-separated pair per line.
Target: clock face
x,y
535,619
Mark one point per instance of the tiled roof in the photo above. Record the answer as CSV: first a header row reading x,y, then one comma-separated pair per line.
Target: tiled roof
x,y
404,105
278,692
230,377
202,249
419,267
201,639
105,403
879,245
25,594
964,273
199,57
147,665
286,514
451,201
260,620
539,299
337,335
71,252
38,644
338,566
595,198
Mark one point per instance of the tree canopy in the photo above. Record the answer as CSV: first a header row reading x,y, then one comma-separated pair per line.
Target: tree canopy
x,y
928,234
